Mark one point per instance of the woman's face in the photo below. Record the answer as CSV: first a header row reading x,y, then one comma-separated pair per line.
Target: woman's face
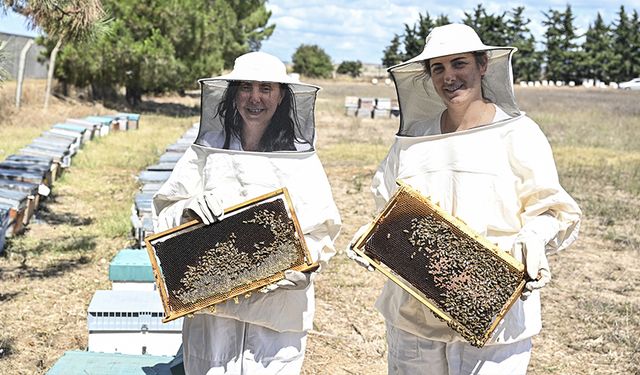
x,y
257,102
457,78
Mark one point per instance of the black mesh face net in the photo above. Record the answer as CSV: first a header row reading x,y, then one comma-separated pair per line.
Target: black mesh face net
x,y
462,278
420,104
301,106
207,264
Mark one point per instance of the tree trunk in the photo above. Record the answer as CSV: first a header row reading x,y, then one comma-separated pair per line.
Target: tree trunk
x,y
20,77
133,96
52,65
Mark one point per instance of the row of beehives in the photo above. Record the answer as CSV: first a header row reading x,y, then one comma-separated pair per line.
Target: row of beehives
x,y
588,83
371,107
126,333
27,176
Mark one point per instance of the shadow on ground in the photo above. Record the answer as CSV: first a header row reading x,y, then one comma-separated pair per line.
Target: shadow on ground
x,y
151,106
56,268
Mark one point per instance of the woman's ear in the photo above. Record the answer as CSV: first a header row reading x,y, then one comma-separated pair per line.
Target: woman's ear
x,y
484,64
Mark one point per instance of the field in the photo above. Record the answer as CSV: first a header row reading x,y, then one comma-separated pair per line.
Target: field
x,y
591,309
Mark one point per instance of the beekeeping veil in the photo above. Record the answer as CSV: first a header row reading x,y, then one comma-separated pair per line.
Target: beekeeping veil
x,y
419,102
235,175
260,67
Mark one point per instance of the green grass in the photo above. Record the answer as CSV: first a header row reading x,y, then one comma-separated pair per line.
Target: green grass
x,y
102,184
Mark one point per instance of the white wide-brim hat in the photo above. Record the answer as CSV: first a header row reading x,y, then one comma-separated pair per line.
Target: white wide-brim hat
x,y
452,39
261,67
418,99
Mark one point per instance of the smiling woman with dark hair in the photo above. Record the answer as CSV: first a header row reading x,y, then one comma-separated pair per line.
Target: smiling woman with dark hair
x,y
256,135
262,115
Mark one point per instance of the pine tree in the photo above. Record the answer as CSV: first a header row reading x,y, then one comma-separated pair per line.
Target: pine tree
x,y
392,54
623,39
413,45
561,55
598,56
491,28
526,61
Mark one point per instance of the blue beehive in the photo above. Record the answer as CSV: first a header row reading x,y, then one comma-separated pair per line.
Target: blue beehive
x,y
56,143
153,176
18,203
118,122
133,120
130,322
99,129
86,134
105,121
170,157
90,363
48,162
60,157
4,225
131,269
178,147
74,137
162,166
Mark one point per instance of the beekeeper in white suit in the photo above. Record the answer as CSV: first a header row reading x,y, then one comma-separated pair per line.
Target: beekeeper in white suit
x,y
463,142
256,135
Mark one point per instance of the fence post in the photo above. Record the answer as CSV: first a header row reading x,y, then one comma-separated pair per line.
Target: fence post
x,y
23,57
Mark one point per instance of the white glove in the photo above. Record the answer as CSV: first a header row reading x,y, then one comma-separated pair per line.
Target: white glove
x,y
362,262
207,207
293,280
529,248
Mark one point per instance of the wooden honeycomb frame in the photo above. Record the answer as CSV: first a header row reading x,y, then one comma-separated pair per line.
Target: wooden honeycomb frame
x,y
399,202
173,309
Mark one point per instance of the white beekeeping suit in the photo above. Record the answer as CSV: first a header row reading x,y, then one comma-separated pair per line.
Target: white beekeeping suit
x,y
266,332
498,178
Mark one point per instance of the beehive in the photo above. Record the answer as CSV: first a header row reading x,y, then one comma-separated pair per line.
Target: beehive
x,y
131,269
459,275
198,265
130,322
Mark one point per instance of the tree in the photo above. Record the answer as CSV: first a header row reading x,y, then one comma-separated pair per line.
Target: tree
x,y
165,45
491,28
561,55
312,61
526,61
598,55
391,54
413,44
62,21
352,68
626,43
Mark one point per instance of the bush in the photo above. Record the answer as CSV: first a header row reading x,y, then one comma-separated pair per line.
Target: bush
x,y
352,68
312,61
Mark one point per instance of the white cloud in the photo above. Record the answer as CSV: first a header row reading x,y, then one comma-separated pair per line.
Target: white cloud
x,y
361,30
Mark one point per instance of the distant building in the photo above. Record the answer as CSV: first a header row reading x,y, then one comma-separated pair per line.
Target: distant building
x,y
12,50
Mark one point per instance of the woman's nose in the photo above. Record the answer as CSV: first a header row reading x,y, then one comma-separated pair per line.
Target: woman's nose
x,y
255,95
449,76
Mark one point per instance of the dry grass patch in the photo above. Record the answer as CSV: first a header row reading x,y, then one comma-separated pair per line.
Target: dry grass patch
x,y
590,310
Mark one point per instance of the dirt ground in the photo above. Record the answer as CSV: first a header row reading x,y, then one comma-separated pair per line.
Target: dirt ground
x,y
591,309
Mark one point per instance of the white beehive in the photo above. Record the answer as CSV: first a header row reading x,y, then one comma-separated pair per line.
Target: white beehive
x,y
130,322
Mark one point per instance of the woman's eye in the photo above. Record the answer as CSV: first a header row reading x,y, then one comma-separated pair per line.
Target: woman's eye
x,y
265,89
436,69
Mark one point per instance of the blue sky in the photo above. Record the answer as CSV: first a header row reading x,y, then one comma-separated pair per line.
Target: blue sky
x,y
360,30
